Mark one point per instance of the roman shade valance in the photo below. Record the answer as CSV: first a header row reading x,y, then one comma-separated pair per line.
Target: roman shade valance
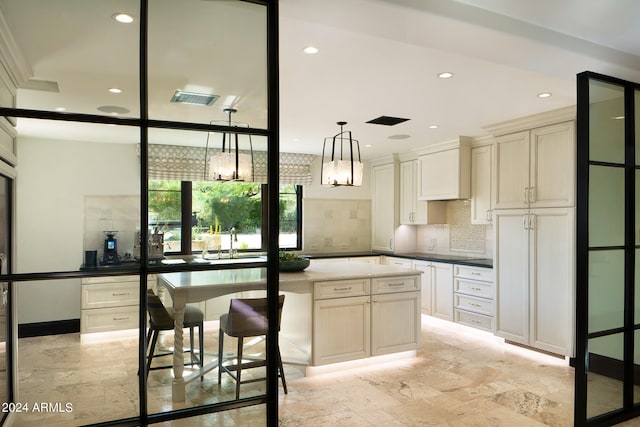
x,y
184,163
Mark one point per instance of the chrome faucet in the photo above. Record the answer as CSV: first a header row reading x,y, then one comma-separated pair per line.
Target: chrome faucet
x,y
233,237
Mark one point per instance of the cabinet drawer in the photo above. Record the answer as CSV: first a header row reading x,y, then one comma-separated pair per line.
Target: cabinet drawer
x,y
114,279
474,320
110,295
341,288
109,319
472,287
476,305
475,273
385,285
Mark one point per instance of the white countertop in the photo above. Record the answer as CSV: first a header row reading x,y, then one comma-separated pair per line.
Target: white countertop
x,y
256,277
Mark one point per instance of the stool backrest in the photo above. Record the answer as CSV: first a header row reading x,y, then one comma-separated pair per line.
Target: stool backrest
x,y
248,316
158,313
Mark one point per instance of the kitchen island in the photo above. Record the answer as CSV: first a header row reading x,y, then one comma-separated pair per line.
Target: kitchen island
x,y
333,312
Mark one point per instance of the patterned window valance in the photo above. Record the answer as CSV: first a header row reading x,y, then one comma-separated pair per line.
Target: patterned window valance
x,y
186,163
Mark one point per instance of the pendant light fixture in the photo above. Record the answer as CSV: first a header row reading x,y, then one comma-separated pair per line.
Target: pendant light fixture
x,y
229,164
341,169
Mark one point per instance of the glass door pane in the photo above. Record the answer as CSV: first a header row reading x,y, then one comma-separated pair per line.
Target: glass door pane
x,y
607,247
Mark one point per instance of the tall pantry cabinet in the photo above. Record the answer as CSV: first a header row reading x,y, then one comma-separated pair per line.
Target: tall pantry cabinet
x,y
534,213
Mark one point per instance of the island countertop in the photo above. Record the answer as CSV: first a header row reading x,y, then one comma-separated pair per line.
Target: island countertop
x,y
255,278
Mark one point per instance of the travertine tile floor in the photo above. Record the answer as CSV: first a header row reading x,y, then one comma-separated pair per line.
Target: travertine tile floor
x,y
460,377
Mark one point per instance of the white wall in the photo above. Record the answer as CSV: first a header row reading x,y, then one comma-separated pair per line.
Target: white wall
x,y
53,179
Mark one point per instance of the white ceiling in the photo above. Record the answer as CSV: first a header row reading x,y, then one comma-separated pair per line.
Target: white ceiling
x,y
376,57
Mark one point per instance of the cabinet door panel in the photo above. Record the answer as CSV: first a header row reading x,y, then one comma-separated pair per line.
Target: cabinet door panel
x,y
512,170
384,207
512,275
443,290
552,166
395,323
552,280
481,170
427,285
341,329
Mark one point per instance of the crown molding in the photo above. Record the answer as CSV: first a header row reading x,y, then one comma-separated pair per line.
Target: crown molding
x,y
11,57
534,121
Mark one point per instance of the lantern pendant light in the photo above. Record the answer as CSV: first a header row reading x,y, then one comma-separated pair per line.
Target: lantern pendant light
x,y
341,169
230,164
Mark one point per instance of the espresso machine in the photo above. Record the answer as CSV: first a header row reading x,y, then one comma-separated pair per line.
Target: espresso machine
x,y
110,255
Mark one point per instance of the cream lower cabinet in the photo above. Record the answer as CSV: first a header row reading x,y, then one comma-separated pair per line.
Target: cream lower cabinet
x,y
534,278
353,319
474,297
437,288
110,303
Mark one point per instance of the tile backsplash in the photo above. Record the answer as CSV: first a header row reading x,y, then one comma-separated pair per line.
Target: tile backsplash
x,y
336,225
115,213
458,235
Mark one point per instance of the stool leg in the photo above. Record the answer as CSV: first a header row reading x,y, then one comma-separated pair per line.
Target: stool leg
x,y
151,351
201,347
284,382
220,345
191,346
239,366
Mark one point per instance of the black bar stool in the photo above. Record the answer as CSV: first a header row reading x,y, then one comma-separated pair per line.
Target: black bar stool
x,y
246,318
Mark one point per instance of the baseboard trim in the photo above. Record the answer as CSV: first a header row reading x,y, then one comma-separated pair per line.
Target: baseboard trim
x,y
56,327
612,368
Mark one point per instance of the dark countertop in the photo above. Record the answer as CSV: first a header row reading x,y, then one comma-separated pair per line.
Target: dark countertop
x,y
451,259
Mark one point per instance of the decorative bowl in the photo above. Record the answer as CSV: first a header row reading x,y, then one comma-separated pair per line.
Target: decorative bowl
x,y
294,265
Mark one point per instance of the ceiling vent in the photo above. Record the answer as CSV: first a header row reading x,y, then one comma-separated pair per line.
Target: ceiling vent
x,y
387,120
194,98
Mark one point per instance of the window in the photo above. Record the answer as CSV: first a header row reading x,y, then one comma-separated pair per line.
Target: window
x,y
216,208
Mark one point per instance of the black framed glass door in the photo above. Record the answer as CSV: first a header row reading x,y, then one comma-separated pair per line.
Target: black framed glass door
x,y
608,240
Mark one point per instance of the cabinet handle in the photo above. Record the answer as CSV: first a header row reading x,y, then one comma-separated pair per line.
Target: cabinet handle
x,y
375,300
123,294
346,288
390,243
475,273
121,318
524,221
397,284
532,195
476,289
526,195
531,222
473,304
475,321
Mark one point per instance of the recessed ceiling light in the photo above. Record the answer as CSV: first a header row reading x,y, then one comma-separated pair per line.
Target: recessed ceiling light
x,y
399,136
434,127
544,95
310,50
123,18
445,75
368,145
115,90
61,109
113,109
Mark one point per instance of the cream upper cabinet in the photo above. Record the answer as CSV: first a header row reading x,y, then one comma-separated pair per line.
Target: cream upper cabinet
x,y
534,277
481,184
444,171
536,168
384,206
412,210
